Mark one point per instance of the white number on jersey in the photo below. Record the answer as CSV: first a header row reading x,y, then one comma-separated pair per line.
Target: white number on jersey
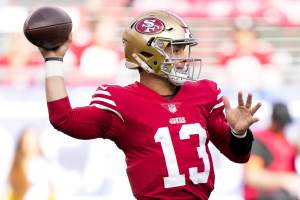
x,y
174,178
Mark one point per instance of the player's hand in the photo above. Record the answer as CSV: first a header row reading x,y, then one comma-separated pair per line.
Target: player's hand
x,y
59,52
241,117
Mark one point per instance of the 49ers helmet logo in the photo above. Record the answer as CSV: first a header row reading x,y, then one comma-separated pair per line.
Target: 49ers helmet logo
x,y
149,26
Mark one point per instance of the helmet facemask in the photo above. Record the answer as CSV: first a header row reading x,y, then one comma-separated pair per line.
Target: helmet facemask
x,y
190,71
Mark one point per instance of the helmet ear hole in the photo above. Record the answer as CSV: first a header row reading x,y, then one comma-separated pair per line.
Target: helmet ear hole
x,y
146,54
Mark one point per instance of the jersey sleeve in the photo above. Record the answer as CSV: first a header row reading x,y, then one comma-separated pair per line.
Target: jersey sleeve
x,y
82,123
105,99
100,119
220,132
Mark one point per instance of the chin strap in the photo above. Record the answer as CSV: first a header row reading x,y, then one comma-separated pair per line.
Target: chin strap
x,y
177,78
142,64
131,65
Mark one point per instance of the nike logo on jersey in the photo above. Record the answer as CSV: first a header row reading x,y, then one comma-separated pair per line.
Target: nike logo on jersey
x,y
177,120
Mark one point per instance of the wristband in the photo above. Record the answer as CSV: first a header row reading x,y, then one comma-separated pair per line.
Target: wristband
x,y
238,135
54,58
54,68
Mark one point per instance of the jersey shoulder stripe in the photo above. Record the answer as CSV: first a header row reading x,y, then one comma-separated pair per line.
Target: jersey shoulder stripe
x,y
103,99
218,103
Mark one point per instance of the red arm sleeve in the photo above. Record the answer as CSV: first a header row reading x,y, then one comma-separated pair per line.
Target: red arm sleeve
x,y
86,122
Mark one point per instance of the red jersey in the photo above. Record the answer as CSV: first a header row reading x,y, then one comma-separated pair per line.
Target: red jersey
x,y
283,153
165,141
278,155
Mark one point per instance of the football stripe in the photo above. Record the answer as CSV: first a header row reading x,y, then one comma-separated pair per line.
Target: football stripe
x,y
219,96
102,92
103,87
109,109
104,100
217,106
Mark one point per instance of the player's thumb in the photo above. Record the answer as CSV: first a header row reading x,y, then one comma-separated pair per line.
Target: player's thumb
x,y
61,51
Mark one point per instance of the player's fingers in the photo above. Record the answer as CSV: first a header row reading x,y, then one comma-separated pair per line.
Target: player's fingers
x,y
69,39
240,99
255,108
46,53
65,45
226,102
70,36
249,100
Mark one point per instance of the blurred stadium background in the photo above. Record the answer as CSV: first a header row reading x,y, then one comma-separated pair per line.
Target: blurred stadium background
x,y
248,45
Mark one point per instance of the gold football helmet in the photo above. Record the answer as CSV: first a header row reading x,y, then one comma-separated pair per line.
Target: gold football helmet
x,y
146,40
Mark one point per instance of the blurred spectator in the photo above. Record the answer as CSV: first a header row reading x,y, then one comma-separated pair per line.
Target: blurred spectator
x,y
283,12
293,136
100,61
181,6
18,58
270,172
247,58
30,174
96,4
245,43
6,157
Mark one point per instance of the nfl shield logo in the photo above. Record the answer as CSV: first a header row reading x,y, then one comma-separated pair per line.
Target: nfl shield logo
x,y
172,108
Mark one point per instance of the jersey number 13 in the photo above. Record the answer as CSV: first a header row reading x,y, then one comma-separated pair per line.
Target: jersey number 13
x,y
174,178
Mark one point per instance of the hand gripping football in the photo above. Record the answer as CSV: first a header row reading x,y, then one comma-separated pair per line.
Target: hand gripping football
x,y
48,27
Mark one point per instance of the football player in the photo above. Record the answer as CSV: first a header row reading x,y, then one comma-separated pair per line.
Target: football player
x,y
163,123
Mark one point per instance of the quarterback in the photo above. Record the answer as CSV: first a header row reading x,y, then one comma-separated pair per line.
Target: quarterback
x,y
162,123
